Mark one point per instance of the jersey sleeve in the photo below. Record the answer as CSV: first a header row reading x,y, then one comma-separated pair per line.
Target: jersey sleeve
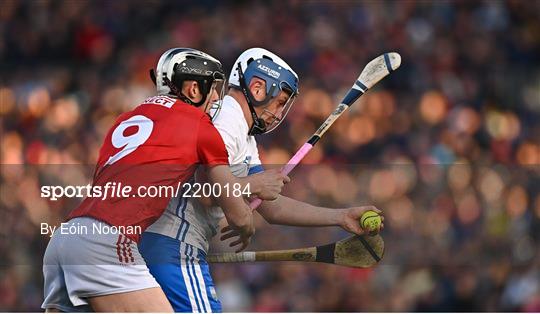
x,y
255,169
230,143
255,164
210,146
227,126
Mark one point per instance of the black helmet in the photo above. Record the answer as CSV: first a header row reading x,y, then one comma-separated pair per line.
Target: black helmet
x,y
177,65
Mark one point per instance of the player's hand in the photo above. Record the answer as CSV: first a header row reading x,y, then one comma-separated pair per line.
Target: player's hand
x,y
244,238
350,219
267,185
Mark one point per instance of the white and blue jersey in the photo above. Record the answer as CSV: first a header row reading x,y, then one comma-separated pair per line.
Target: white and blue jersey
x,y
175,246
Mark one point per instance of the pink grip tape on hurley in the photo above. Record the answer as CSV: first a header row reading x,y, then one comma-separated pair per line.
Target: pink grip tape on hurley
x,y
295,160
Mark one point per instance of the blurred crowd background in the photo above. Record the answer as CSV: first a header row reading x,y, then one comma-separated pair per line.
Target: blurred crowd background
x,y
448,146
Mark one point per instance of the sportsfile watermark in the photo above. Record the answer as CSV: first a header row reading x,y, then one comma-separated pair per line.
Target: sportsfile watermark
x,y
444,214
121,190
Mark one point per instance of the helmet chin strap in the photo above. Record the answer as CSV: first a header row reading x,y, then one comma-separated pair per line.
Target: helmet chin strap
x,y
259,125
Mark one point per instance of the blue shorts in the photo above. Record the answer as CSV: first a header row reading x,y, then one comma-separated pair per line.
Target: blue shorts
x,y
182,272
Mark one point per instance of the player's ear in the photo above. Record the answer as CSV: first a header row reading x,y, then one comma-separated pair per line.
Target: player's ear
x,y
191,90
258,88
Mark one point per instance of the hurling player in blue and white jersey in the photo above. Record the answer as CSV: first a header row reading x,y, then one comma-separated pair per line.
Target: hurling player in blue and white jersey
x,y
262,89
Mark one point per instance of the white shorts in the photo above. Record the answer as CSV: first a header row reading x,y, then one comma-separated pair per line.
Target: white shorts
x,y
88,264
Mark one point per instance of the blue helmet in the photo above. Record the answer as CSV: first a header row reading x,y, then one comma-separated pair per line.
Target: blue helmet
x,y
278,76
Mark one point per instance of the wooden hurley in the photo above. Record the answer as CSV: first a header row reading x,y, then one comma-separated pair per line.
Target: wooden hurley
x,y
354,251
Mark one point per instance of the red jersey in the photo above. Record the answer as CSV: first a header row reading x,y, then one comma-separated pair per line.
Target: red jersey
x,y
159,143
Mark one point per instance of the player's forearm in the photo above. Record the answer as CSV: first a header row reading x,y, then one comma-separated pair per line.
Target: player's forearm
x,y
239,218
237,212
287,211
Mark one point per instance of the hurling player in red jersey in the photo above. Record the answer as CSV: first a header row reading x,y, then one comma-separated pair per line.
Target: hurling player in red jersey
x,y
157,145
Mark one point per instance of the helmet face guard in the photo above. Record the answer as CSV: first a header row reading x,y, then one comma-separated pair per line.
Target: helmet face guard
x,y
277,79
213,108
281,113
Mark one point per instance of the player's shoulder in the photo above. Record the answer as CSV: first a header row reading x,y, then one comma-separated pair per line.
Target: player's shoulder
x,y
231,117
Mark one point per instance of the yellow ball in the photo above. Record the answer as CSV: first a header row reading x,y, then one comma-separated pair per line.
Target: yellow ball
x,y
370,221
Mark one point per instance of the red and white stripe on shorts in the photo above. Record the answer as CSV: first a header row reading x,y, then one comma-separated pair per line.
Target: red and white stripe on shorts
x,y
123,249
